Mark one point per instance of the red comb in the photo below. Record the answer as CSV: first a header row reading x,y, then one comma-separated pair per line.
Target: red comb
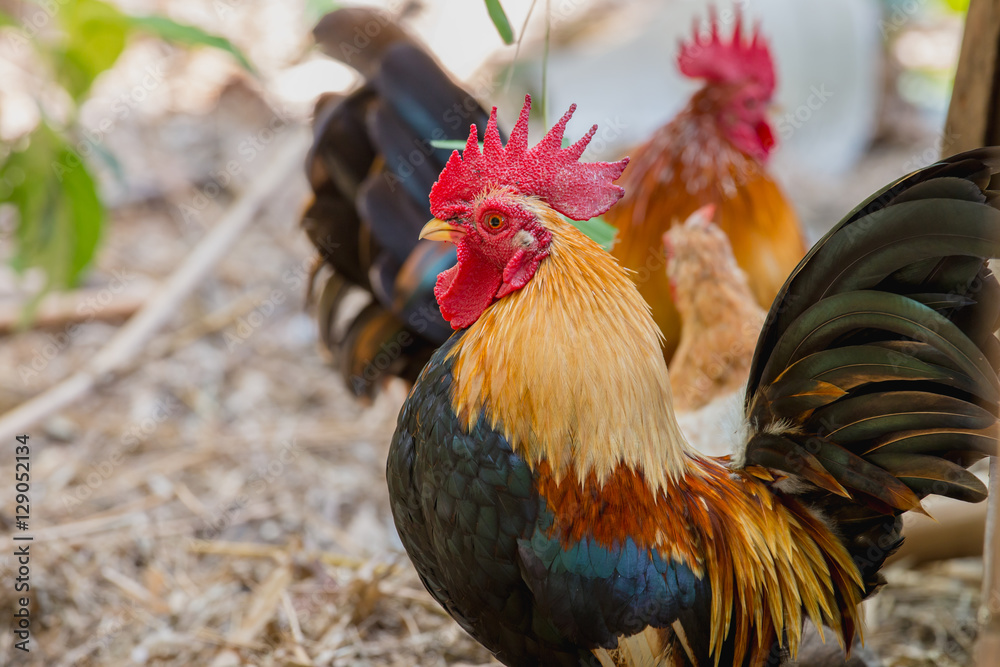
x,y
578,190
714,59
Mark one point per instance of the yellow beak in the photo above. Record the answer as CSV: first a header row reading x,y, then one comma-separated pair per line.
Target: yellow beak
x,y
439,230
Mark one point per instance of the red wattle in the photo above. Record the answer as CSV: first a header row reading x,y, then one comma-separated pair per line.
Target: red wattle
x,y
467,289
766,137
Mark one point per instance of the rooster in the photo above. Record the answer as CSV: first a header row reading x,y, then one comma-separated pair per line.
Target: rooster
x,y
714,152
538,477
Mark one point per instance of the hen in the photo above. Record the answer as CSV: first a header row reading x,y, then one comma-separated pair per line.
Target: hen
x,y
539,480
720,318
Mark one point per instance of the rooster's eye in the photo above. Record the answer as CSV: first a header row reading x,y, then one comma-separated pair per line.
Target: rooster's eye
x,y
494,221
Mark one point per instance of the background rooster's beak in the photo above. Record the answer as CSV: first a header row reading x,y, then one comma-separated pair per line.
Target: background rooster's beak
x,y
439,230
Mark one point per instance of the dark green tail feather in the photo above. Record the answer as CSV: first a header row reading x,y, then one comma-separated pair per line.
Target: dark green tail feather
x,y
876,373
978,167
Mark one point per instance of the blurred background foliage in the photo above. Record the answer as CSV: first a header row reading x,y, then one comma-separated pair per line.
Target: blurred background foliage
x,y
60,215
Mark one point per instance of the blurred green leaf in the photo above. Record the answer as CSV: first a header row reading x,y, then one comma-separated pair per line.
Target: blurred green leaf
x,y
61,216
599,231
451,144
189,35
958,6
95,34
499,17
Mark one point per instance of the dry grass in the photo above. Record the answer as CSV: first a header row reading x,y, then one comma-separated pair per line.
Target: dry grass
x,y
927,617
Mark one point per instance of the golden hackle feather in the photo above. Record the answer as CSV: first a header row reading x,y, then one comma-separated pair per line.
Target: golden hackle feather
x,y
768,560
552,379
652,647
570,370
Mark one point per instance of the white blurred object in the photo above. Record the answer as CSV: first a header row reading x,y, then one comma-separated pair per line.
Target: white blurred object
x,y
836,45
301,84
714,430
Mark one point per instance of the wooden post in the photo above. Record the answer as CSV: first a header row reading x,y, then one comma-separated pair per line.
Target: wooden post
x,y
974,121
974,114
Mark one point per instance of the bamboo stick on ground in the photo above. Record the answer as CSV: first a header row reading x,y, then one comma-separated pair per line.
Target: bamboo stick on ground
x,y
85,305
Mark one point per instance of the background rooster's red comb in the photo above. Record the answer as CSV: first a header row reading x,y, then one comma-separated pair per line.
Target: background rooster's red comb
x,y
578,190
711,57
